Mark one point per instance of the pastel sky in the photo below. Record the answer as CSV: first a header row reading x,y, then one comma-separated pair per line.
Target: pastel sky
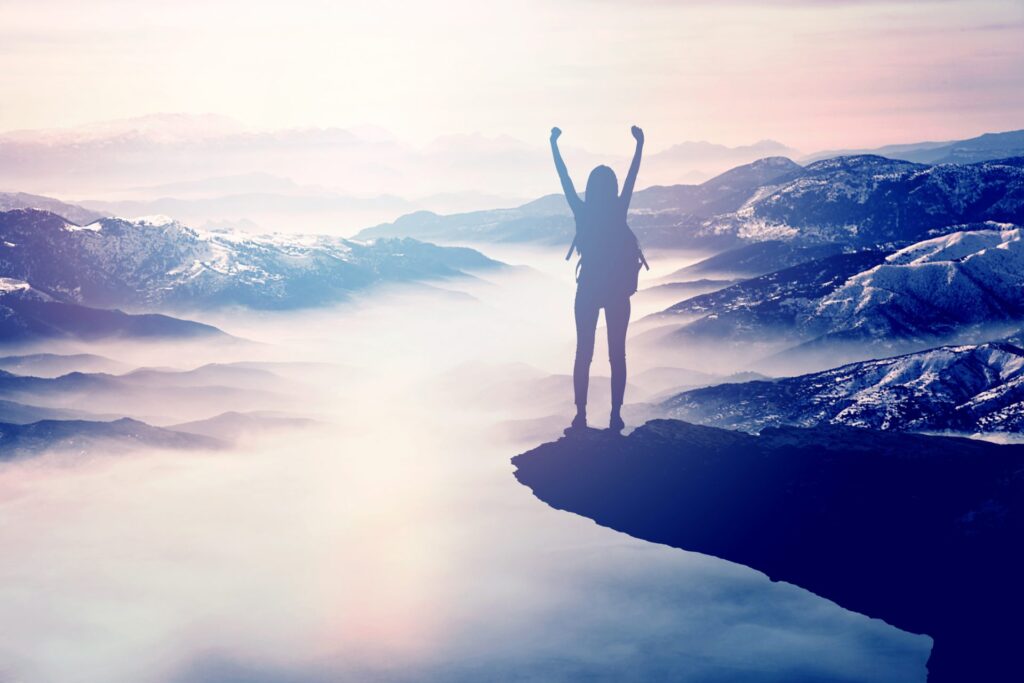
x,y
812,74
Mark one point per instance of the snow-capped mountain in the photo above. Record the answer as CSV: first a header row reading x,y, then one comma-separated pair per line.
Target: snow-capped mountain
x,y
959,388
782,302
157,262
936,288
873,201
960,288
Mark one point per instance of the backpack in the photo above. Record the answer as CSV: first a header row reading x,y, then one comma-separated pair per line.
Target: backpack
x,y
611,265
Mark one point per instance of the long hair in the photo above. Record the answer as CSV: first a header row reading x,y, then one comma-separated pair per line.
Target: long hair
x,y
602,190
600,204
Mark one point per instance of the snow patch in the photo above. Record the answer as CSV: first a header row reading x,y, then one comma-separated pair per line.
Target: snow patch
x,y
91,227
10,284
156,220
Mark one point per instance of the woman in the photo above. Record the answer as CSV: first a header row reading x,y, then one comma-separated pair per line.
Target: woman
x,y
609,263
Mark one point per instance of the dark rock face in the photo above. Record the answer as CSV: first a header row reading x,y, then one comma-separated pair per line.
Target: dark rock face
x,y
923,532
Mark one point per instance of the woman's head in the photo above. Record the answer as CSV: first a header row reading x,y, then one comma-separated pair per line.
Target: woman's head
x,y
602,187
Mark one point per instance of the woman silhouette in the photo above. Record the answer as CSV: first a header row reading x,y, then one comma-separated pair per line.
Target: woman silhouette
x,y
609,263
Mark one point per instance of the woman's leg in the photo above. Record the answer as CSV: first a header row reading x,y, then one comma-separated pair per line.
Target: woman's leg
x,y
586,328
616,316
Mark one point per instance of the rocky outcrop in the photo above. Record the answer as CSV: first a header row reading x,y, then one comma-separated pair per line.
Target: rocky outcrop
x,y
923,532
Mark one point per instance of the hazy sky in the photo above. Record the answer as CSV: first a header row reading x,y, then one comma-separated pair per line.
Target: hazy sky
x,y
813,74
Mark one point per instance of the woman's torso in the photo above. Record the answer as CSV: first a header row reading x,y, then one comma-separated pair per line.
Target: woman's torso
x,y
607,252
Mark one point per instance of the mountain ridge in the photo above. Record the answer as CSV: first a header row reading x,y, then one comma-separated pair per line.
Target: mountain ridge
x,y
28,315
964,389
158,262
87,436
860,201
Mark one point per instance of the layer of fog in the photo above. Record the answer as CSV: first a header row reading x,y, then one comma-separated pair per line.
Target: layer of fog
x,y
209,171
387,540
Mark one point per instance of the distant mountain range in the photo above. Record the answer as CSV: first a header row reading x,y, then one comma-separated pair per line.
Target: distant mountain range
x,y
968,389
548,219
14,412
212,171
159,263
264,202
859,201
700,161
985,147
40,414
55,364
83,437
232,426
74,213
349,177
147,394
297,211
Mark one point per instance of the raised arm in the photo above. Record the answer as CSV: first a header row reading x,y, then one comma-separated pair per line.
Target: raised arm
x,y
563,174
634,168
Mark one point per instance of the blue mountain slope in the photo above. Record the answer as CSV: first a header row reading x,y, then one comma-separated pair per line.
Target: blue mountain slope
x,y
752,260
959,388
27,315
987,147
84,437
779,302
160,263
960,288
874,201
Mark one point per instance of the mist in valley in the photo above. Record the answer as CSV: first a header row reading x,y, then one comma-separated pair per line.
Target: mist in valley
x,y
356,514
